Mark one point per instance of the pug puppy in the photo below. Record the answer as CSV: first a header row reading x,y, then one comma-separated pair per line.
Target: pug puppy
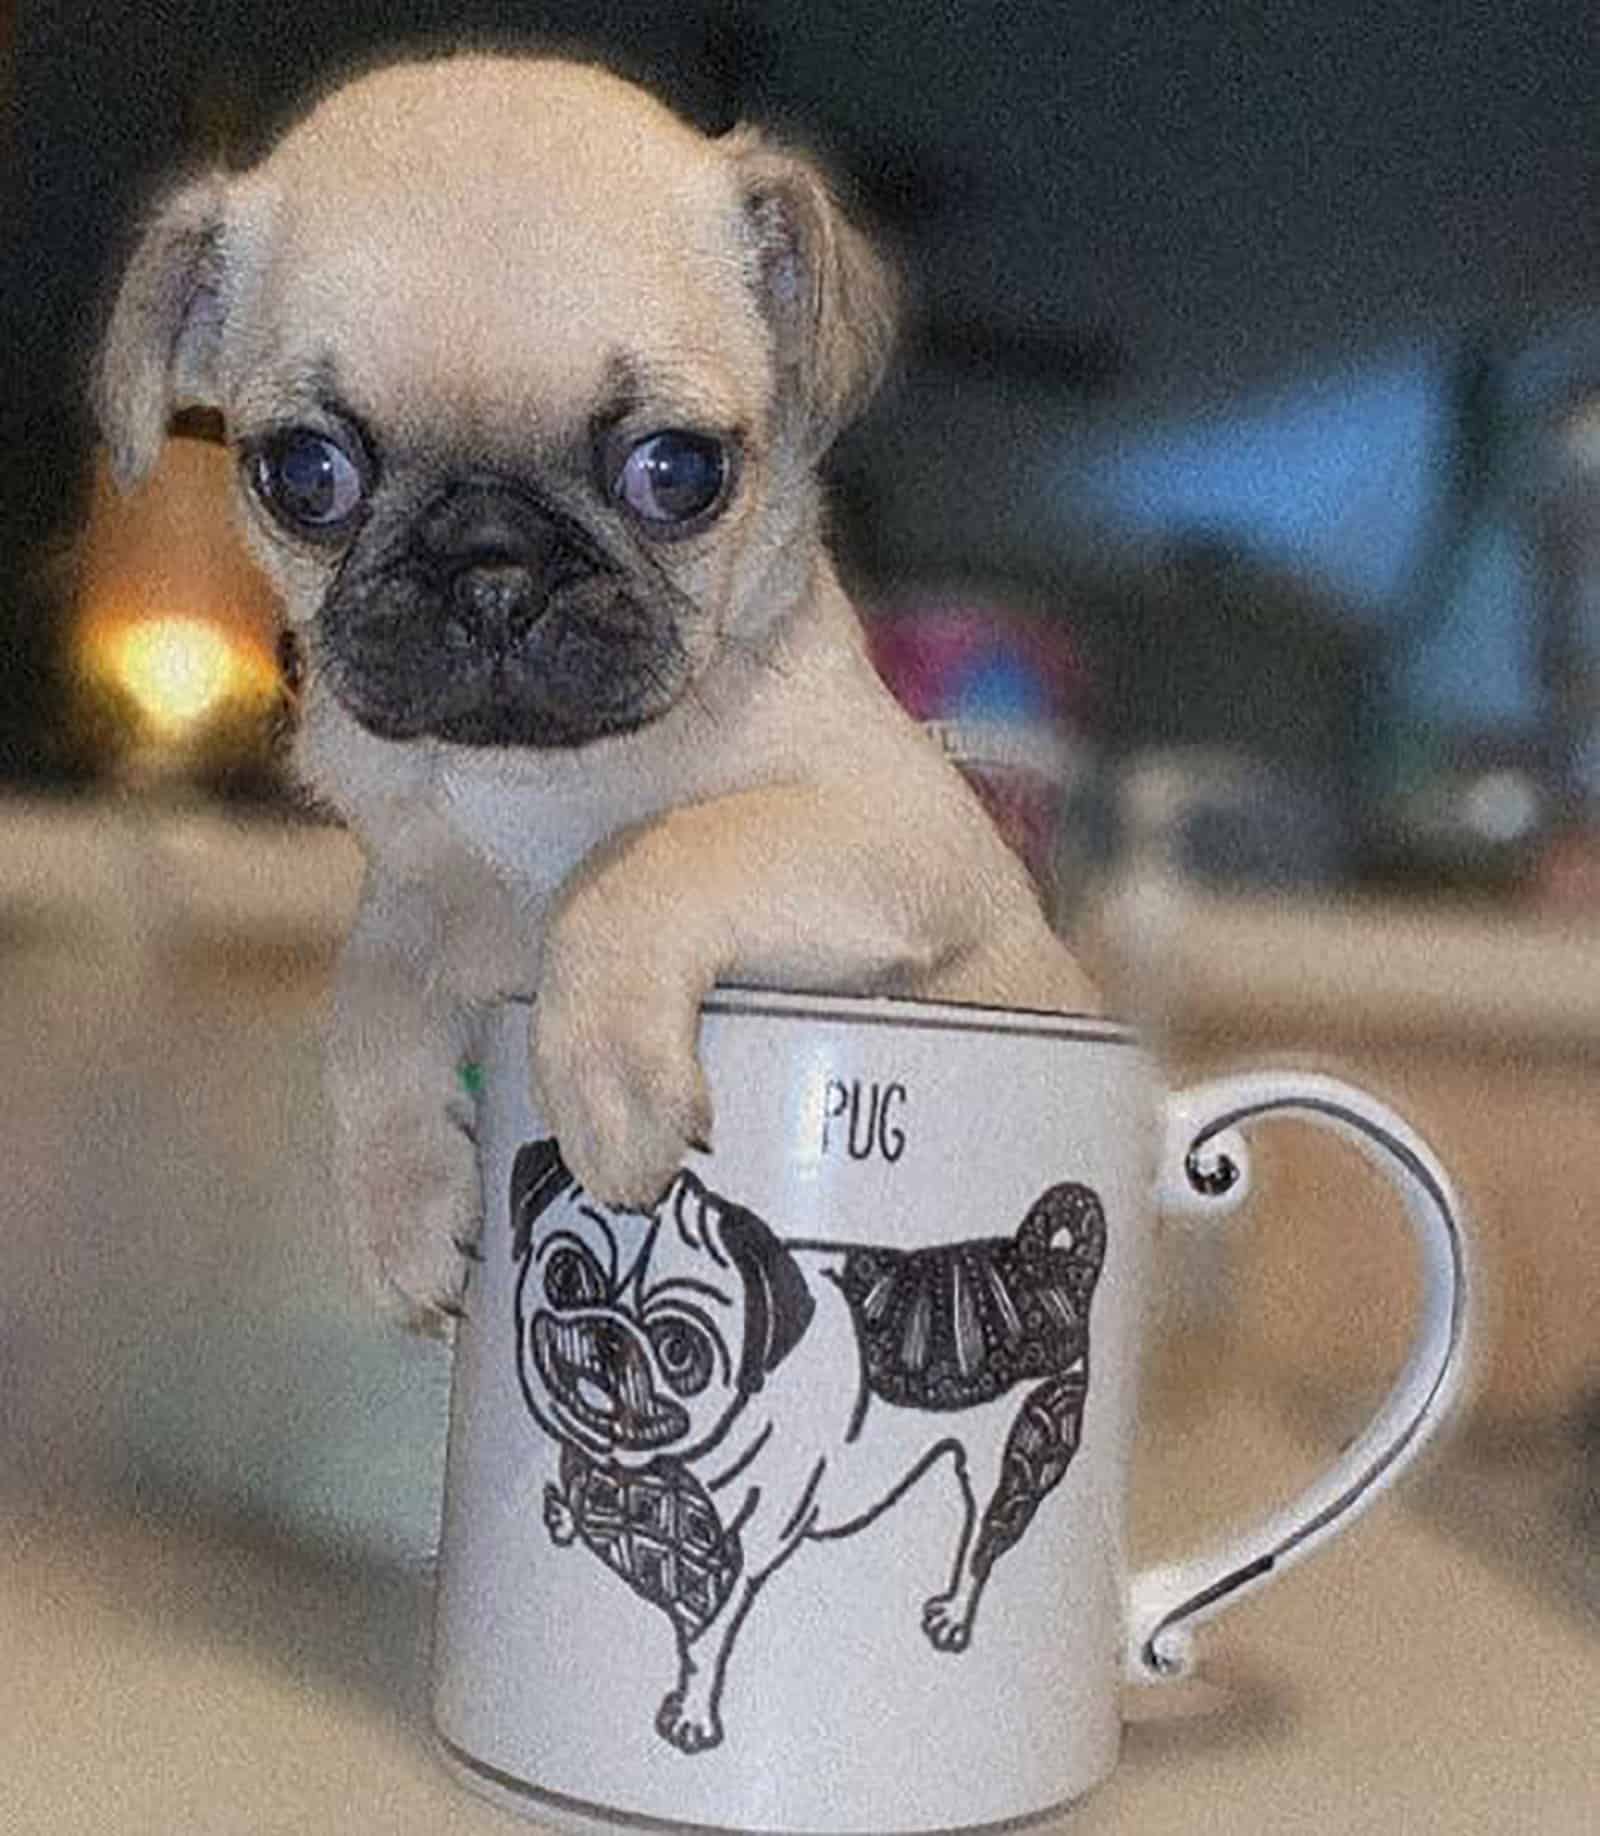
x,y
722,1397
528,382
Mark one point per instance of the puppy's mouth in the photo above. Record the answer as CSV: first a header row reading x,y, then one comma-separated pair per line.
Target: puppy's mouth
x,y
492,621
599,1377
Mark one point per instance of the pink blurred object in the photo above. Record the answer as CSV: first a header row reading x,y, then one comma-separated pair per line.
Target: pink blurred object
x,y
1003,690
1567,878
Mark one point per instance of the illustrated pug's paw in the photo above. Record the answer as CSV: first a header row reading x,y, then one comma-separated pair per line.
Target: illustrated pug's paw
x,y
616,1076
692,1725
408,1186
947,1621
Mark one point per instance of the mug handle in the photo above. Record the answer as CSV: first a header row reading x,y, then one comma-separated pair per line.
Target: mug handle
x,y
1204,1171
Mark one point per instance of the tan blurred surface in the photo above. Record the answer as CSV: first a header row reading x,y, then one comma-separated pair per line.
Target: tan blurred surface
x,y
1483,1028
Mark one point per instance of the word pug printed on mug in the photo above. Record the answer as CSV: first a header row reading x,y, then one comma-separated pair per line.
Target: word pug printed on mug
x,y
797,1502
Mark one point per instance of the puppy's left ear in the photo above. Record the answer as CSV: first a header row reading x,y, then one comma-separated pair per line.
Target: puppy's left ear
x,y
161,345
829,296
778,1304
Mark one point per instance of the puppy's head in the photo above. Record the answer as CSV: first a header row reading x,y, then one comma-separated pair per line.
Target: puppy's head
x,y
642,1334
527,380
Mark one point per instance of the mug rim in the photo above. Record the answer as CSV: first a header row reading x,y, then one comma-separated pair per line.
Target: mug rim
x,y
911,1011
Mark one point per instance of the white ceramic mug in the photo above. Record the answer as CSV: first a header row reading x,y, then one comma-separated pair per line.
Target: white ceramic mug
x,y
798,1503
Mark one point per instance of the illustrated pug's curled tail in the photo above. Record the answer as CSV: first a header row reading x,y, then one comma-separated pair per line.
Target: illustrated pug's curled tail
x,y
1072,1212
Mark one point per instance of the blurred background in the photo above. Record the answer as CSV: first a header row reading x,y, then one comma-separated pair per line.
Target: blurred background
x,y
1234,515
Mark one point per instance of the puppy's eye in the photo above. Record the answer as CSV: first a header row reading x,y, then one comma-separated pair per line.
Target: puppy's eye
x,y
573,1279
673,478
308,481
684,1354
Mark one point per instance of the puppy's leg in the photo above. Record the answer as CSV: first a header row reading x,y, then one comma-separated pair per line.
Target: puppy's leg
x,y
805,886
404,1165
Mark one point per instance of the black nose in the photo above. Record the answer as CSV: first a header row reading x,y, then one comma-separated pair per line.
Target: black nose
x,y
494,549
496,601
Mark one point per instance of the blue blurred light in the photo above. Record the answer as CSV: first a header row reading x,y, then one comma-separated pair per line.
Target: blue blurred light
x,y
1335,477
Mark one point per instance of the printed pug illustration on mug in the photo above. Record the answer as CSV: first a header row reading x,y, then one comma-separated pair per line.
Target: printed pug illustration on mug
x,y
797,1500
654,1347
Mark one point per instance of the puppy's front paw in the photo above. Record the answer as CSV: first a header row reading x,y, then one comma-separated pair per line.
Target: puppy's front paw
x,y
616,1077
409,1188
625,1117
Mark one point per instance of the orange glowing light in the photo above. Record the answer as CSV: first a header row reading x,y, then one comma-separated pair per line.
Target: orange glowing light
x,y
179,670
175,629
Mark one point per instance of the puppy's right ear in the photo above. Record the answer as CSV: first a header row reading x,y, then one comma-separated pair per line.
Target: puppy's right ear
x,y
161,347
